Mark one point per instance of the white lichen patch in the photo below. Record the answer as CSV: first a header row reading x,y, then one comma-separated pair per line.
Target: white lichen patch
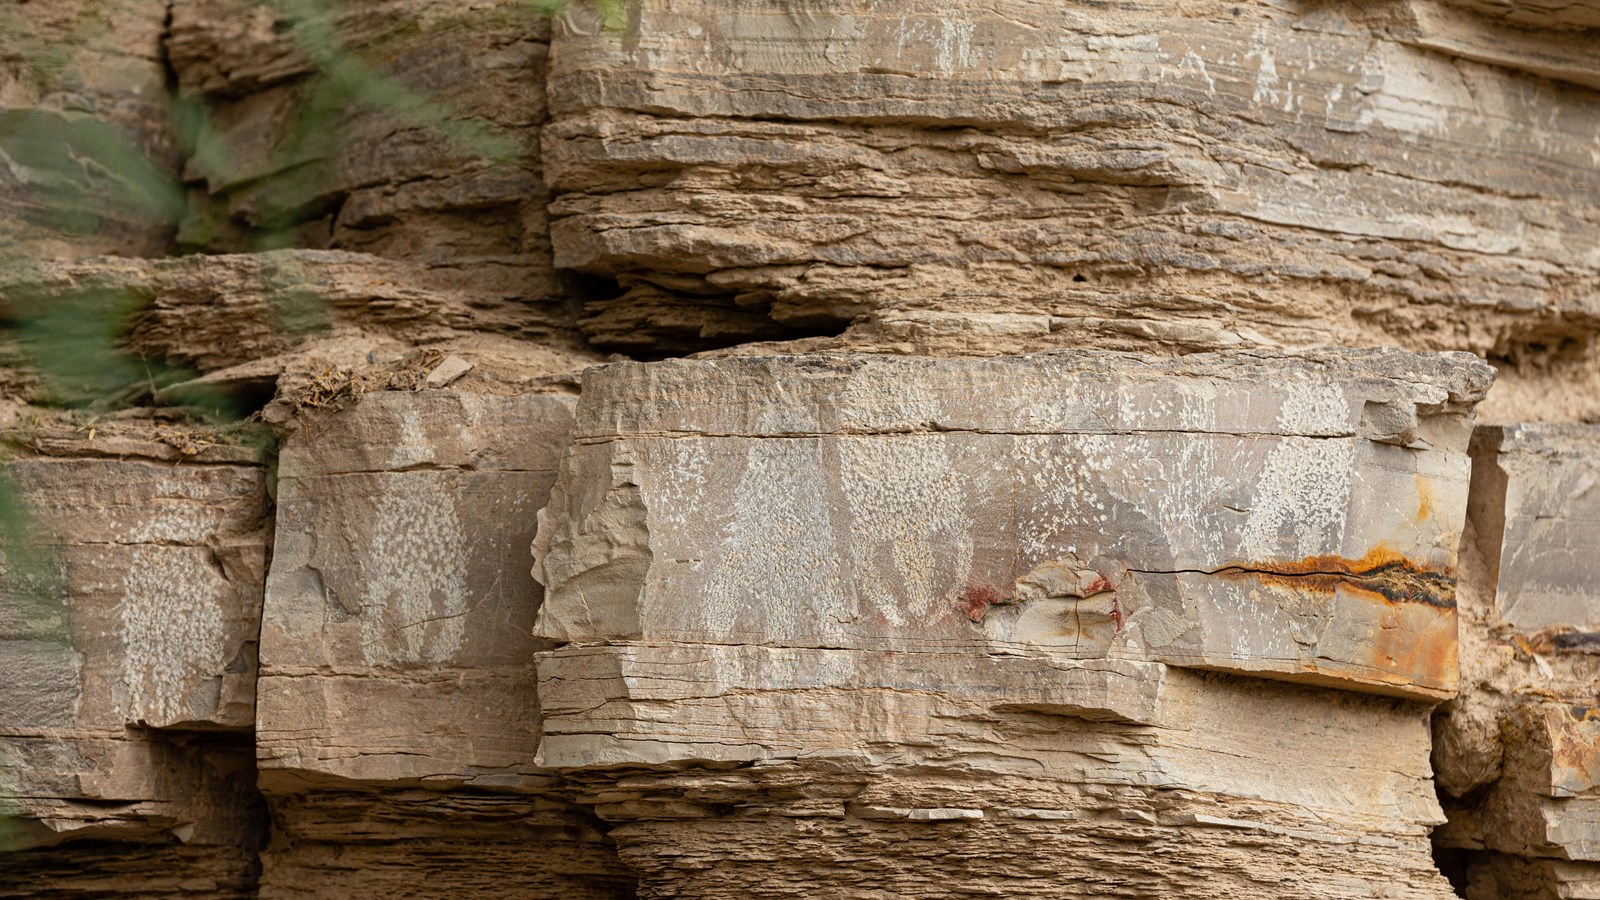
x,y
171,619
779,543
1061,506
412,446
1303,493
416,594
179,515
1313,408
1302,500
910,527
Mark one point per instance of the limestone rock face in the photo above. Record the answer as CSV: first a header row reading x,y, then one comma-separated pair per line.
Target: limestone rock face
x,y
1072,490
1518,754
87,153
1163,176
398,681
129,639
879,585
403,128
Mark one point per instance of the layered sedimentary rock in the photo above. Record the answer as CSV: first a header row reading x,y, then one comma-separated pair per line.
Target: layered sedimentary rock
x,y
397,684
244,320
950,607
88,154
129,644
403,128
1158,176
1079,624
1518,754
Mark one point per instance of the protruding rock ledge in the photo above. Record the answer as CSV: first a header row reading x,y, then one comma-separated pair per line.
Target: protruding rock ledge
x,y
898,613
398,682
1293,516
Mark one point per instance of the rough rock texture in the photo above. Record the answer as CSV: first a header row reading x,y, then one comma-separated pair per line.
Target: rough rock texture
x,y
1518,754
942,606
420,144
129,640
1171,612
1159,176
397,681
86,142
245,320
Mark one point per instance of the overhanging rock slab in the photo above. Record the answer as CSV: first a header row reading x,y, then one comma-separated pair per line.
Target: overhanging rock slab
x,y
1289,516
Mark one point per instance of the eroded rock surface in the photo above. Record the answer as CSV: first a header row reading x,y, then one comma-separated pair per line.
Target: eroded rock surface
x,y
1085,624
402,128
1518,754
398,681
921,603
1161,176
129,644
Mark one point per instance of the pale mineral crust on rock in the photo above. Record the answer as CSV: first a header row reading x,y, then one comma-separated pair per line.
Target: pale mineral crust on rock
x,y
949,605
128,631
398,679
1196,512
1518,753
862,601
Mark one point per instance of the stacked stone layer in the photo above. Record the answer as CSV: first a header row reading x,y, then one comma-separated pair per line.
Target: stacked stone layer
x,y
1186,606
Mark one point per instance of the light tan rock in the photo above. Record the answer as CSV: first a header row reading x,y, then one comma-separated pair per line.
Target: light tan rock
x,y
313,323
1301,526
883,612
397,676
1518,753
1166,177
403,128
1535,43
128,627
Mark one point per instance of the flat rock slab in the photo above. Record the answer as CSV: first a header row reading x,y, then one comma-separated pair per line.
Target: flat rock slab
x,y
1292,516
1541,493
396,636
148,603
128,627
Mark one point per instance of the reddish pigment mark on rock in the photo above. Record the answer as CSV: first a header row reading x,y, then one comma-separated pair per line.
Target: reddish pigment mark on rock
x,y
977,599
1099,586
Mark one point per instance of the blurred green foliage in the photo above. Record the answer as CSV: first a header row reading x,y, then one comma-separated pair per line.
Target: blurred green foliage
x,y
85,176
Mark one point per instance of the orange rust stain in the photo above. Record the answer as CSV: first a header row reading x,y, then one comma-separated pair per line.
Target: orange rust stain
x,y
1409,613
1417,641
1424,498
1574,748
1382,574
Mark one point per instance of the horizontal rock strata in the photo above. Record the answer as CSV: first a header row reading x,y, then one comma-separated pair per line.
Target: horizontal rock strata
x,y
129,639
1183,607
1518,754
920,603
403,128
397,683
1171,177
